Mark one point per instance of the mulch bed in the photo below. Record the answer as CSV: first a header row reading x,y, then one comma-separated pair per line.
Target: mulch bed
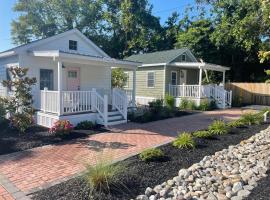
x,y
139,175
11,141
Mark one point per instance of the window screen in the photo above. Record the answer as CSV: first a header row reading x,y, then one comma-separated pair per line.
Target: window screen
x,y
46,79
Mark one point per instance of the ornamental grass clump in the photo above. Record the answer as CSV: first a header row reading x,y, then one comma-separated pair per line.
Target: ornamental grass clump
x,y
169,101
102,176
236,124
203,134
218,127
184,141
61,128
252,118
151,155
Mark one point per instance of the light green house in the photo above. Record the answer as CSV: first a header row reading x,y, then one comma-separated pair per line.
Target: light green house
x,y
176,72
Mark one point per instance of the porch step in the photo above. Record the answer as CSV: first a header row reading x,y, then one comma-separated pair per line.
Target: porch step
x,y
114,118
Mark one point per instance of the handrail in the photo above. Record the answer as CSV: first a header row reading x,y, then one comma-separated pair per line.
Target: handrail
x,y
119,101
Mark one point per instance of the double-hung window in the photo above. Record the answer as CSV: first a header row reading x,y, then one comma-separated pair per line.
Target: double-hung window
x,y
151,79
46,79
173,78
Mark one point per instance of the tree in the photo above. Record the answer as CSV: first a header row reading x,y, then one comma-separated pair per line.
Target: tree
x,y
119,78
19,105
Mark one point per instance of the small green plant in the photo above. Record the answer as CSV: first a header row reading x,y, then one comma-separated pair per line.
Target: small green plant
x,y
203,134
218,127
236,124
156,105
86,125
251,118
183,104
151,155
184,140
102,176
204,105
191,105
169,101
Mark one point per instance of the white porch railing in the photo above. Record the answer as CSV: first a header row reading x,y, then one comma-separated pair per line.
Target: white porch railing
x,y
129,93
120,102
100,105
222,97
49,101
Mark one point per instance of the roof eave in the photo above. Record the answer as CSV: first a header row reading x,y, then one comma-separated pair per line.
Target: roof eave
x,y
7,54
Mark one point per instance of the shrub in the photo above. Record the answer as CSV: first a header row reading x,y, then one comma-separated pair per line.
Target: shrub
x,y
203,134
251,118
19,105
61,127
86,125
102,175
235,124
169,101
191,105
218,127
2,113
184,140
151,155
204,105
183,104
156,105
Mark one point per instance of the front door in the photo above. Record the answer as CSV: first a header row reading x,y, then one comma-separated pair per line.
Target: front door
x,y
73,78
183,77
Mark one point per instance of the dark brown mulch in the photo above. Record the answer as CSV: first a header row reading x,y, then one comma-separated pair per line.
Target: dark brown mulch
x,y
139,175
11,141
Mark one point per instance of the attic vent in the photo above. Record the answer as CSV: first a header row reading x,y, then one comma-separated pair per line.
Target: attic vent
x,y
73,45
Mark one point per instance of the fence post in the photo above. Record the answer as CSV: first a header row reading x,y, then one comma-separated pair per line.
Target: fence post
x,y
93,100
44,99
105,110
231,98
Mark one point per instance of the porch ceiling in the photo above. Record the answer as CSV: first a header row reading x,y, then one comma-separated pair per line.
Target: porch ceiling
x,y
85,59
200,65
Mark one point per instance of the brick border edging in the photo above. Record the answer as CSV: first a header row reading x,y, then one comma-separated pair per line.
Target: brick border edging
x,y
15,192
48,185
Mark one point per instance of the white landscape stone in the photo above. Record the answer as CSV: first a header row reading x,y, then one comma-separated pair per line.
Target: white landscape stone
x,y
228,174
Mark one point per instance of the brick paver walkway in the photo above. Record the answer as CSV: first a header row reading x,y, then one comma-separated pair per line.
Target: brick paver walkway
x,y
4,195
43,166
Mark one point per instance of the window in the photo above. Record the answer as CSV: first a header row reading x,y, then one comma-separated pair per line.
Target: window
x,y
72,74
46,79
127,81
173,78
183,57
151,79
73,45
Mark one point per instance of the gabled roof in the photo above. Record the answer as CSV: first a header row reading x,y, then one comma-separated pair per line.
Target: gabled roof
x,y
158,57
15,50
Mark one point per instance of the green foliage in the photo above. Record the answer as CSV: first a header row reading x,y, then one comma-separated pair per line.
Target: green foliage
x,y
205,105
169,101
151,155
218,127
251,118
203,134
156,105
86,125
102,176
19,105
119,78
183,104
236,124
2,112
191,105
61,128
184,140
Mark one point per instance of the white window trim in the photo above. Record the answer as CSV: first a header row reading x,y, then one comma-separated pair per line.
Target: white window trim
x,y
176,77
184,56
127,83
154,79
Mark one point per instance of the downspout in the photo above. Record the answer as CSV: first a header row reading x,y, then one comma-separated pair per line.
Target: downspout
x,y
164,78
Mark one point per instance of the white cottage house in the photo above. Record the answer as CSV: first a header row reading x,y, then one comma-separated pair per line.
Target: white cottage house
x,y
73,79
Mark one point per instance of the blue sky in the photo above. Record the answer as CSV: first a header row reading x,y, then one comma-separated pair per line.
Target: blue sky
x,y
162,8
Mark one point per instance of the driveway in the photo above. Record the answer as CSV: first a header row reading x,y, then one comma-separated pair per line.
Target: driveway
x,y
28,171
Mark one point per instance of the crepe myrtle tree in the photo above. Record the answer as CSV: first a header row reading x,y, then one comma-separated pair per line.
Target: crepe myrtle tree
x,y
20,104
119,78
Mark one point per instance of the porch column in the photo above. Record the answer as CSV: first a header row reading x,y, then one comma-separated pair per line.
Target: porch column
x,y
200,82
59,87
134,89
223,79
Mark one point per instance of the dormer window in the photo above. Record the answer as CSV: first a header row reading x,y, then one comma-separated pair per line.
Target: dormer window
x,y
183,57
73,45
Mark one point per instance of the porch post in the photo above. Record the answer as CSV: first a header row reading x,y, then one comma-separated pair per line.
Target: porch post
x,y
200,82
134,89
223,79
59,87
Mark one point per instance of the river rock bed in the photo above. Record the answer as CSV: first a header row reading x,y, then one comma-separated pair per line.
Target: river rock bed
x,y
228,174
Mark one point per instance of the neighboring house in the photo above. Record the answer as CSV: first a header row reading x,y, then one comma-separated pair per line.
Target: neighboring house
x,y
176,72
73,79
